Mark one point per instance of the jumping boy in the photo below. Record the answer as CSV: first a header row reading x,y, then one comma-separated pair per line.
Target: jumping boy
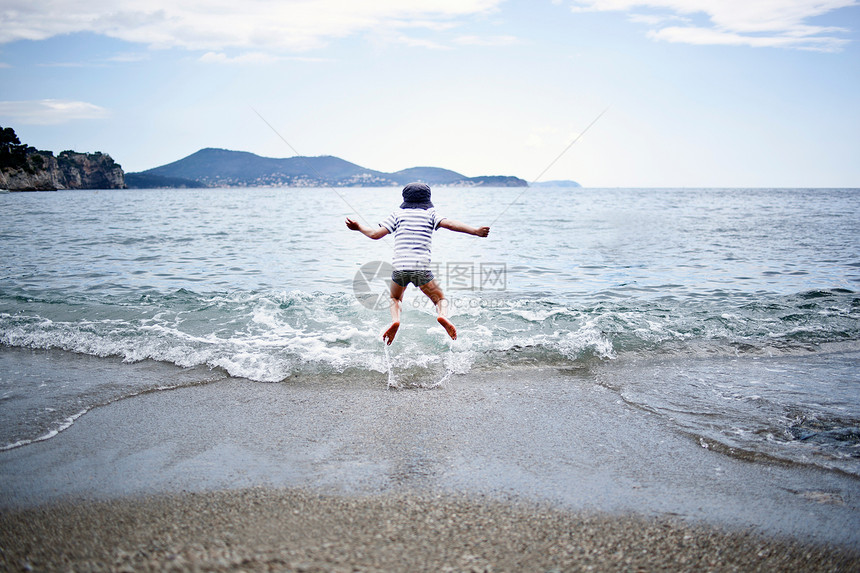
x,y
413,225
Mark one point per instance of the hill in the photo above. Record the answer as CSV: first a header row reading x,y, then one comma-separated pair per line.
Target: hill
x,y
225,168
435,175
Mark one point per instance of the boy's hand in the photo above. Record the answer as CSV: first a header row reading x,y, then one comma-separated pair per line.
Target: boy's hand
x,y
483,231
374,234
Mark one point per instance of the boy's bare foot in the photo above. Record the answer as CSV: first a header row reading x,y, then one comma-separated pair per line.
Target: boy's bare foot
x,y
452,332
388,335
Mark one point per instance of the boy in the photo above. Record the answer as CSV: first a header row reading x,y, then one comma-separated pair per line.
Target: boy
x,y
413,225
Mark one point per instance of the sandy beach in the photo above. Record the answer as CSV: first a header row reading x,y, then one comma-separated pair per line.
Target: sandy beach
x,y
509,470
292,530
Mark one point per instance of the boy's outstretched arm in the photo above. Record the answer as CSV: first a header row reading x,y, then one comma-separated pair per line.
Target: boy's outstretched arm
x,y
374,234
453,225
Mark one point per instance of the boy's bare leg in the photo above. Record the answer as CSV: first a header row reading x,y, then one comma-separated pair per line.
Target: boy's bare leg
x,y
396,303
434,292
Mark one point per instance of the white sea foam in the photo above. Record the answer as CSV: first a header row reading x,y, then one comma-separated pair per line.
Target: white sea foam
x,y
269,337
64,425
67,422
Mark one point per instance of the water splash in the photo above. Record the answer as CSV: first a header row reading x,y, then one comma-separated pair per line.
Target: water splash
x,y
271,336
392,380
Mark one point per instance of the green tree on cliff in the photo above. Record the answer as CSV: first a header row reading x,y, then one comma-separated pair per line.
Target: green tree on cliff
x,y
12,152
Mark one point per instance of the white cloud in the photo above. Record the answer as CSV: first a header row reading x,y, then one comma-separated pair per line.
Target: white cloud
x,y
655,19
70,65
247,58
711,36
260,58
123,58
218,25
491,41
776,23
128,57
420,43
50,111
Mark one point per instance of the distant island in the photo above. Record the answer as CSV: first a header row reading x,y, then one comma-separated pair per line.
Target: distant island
x,y
25,168
557,183
225,168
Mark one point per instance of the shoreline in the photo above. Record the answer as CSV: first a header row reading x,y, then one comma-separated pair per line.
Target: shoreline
x,y
299,530
519,447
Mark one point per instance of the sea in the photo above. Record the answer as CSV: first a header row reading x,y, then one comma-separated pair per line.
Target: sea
x,y
732,314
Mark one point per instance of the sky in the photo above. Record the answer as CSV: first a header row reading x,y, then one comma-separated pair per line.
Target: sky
x,y
608,93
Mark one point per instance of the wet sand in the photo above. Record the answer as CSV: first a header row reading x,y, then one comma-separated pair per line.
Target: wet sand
x,y
508,470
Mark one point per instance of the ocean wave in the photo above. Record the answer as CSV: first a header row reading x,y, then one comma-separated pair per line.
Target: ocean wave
x,y
269,336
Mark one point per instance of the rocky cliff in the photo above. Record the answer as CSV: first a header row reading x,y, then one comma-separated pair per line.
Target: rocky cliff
x,y
41,171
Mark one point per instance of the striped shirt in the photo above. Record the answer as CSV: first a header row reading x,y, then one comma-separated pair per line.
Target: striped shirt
x,y
413,232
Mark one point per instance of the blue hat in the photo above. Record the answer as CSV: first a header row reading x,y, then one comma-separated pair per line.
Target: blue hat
x,y
416,196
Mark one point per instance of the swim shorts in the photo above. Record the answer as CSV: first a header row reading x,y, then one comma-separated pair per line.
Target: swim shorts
x,y
418,278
